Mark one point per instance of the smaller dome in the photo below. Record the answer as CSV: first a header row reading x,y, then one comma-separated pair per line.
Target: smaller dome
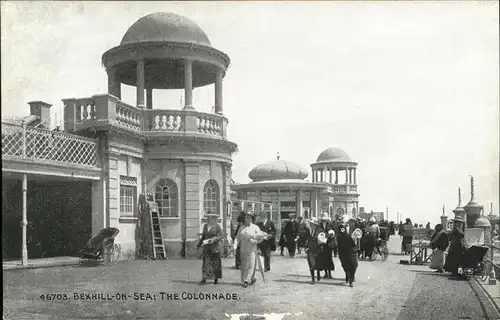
x,y
482,222
277,170
332,155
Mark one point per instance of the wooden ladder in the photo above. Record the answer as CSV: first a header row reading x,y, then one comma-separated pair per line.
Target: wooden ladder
x,y
157,239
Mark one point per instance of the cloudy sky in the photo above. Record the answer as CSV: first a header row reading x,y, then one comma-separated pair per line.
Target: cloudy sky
x,y
409,90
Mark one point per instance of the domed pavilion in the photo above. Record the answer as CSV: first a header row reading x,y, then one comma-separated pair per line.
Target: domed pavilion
x,y
181,158
335,167
283,183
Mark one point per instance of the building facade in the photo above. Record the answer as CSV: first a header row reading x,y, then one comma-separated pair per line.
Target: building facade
x,y
283,184
181,158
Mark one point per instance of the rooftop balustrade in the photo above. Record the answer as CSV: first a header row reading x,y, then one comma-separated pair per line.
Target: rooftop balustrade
x,y
20,142
107,110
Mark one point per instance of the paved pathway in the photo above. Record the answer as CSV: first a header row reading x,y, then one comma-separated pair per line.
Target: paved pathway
x,y
383,290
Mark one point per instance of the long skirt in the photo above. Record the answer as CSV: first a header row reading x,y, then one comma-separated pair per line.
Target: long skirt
x,y
237,257
326,257
349,264
212,266
314,260
437,259
406,241
248,264
454,258
370,244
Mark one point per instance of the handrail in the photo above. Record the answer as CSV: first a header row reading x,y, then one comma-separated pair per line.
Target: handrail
x,y
28,143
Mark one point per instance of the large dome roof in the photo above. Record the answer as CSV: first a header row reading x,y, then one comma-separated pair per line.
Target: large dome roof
x,y
332,155
277,170
165,27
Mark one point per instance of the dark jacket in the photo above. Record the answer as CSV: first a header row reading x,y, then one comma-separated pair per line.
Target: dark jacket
x,y
270,229
439,241
214,232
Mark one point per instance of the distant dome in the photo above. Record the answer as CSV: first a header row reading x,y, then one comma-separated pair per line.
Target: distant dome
x,y
165,27
482,222
332,155
277,170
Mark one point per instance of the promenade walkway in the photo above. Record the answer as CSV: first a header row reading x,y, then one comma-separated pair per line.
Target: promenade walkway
x,y
383,290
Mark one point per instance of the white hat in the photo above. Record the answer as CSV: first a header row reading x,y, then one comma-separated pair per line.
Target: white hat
x,y
372,219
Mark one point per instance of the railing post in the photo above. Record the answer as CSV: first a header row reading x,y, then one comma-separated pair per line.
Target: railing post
x,y
24,222
24,139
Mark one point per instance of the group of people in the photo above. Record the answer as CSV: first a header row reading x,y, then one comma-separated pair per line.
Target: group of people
x,y
321,238
454,241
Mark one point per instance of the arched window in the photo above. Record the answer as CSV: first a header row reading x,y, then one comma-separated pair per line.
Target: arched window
x,y
167,198
354,212
211,197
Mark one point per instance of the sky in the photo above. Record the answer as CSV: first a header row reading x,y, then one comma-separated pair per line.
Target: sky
x,y
410,90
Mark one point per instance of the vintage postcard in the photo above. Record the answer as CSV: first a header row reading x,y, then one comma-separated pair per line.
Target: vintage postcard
x,y
250,160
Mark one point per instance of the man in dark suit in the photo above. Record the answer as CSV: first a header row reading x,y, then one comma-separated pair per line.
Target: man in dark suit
x,y
291,231
268,245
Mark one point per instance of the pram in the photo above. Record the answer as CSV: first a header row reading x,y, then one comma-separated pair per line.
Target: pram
x,y
101,243
472,261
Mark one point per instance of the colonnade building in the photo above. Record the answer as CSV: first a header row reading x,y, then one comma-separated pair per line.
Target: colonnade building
x,y
283,183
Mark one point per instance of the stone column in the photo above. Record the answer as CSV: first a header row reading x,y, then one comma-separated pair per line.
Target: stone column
x,y
330,171
346,176
298,203
192,207
140,83
149,98
336,176
218,91
355,176
313,176
350,176
188,85
114,85
24,221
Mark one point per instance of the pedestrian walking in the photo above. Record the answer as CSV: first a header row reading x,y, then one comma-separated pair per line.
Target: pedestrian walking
x,y
249,235
347,249
268,245
327,228
290,233
310,235
211,238
237,256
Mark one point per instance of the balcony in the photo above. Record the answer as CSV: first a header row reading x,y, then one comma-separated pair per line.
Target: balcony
x,y
344,189
103,111
46,152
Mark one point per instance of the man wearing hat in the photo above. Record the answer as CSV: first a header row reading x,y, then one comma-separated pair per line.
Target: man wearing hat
x,y
457,247
268,245
290,232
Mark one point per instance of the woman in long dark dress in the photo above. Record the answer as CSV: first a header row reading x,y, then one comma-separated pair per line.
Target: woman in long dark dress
x,y
456,249
211,241
310,234
347,254
240,221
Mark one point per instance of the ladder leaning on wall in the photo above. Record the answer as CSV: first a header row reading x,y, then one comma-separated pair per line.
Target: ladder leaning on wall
x,y
157,239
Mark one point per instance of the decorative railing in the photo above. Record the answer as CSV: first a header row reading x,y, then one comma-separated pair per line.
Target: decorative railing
x,y
344,189
102,110
26,143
